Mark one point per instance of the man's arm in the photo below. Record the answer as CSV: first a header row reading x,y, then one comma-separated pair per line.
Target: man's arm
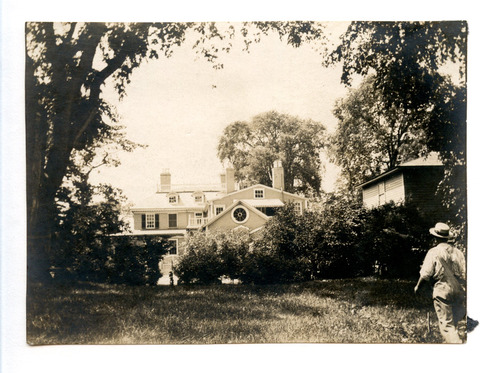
x,y
416,288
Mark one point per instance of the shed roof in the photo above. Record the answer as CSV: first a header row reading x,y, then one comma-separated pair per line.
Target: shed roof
x,y
430,160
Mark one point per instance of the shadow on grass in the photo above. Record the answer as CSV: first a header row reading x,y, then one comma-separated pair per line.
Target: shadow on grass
x,y
87,313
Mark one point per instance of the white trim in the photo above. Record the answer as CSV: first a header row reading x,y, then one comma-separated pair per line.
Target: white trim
x,y
234,210
231,206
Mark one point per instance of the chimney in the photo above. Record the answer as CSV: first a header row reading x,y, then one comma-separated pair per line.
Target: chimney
x,y
223,184
229,180
278,176
165,181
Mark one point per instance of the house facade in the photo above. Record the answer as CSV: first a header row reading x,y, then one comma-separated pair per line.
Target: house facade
x,y
175,210
415,181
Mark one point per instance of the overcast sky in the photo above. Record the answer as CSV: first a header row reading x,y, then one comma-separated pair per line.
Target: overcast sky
x,y
179,106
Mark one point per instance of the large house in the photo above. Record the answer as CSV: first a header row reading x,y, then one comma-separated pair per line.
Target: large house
x,y
414,181
175,210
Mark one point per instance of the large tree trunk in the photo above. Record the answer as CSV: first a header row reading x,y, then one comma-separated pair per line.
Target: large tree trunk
x,y
38,231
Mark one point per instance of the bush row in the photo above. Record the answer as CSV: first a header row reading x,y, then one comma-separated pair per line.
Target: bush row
x,y
113,259
337,241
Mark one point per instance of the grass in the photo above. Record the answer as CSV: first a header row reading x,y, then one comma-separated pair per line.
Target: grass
x,y
338,311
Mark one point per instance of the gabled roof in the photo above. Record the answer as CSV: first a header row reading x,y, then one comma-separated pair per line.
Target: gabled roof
x,y
229,209
430,160
263,186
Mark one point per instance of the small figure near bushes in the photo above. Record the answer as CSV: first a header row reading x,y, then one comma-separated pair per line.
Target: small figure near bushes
x,y
445,265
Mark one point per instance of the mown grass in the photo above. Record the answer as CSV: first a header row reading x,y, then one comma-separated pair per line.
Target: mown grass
x,y
338,311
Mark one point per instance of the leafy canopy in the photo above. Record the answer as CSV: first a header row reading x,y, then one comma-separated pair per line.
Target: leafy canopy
x,y
252,147
408,62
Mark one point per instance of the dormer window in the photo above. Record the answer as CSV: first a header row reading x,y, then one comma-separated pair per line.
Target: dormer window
x,y
172,199
259,194
198,197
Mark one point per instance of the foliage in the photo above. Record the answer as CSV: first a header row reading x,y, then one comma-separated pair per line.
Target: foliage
x,y
404,56
135,261
88,215
86,247
252,147
277,254
370,138
407,61
210,256
342,240
342,255
395,239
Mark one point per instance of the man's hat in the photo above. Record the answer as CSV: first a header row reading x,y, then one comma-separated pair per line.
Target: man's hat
x,y
441,230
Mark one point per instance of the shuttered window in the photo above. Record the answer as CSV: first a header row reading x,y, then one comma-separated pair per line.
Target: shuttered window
x,y
150,221
172,220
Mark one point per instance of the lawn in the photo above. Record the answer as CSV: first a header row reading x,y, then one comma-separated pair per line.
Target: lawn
x,y
337,311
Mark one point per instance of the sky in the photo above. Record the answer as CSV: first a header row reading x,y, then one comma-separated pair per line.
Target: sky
x,y
179,106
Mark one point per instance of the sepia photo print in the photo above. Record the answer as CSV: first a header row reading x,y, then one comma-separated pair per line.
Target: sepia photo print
x,y
246,182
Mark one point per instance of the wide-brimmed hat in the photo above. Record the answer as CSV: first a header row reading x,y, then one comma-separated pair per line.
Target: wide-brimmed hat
x,y
441,230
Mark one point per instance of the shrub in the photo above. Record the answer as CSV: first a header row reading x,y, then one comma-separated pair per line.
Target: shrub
x,y
135,260
396,238
209,256
279,254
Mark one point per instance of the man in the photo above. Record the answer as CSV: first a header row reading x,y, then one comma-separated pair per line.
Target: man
x,y
445,266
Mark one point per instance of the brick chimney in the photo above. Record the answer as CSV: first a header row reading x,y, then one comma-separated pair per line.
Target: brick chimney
x,y
165,181
278,176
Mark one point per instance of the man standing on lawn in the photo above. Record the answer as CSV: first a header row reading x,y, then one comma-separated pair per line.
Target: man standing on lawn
x,y
445,266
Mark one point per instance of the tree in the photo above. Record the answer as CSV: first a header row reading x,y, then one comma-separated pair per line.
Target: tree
x,y
67,65
407,61
370,139
252,147
64,110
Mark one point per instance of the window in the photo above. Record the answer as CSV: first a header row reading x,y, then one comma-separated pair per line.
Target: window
x,y
150,221
172,199
172,220
258,194
219,209
240,214
198,199
297,206
172,246
198,218
381,193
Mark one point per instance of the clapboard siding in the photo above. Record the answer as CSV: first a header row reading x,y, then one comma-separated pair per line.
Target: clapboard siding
x,y
417,185
370,196
393,190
